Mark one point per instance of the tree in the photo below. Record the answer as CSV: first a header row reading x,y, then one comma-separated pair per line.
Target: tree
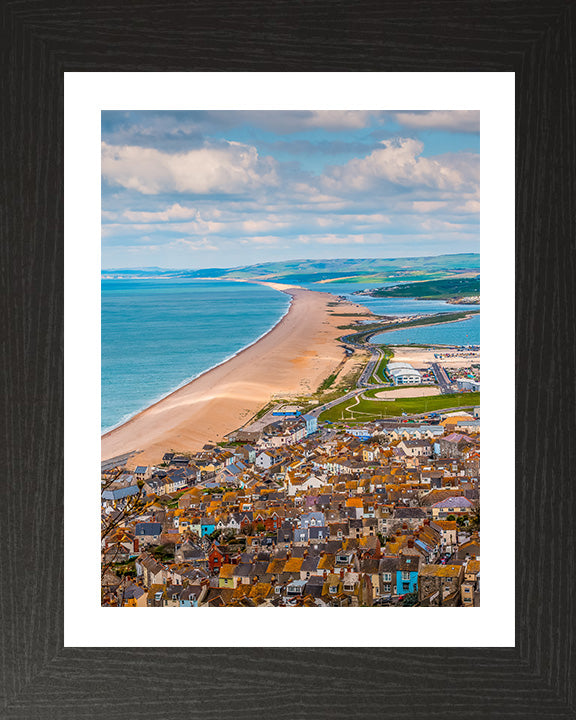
x,y
134,506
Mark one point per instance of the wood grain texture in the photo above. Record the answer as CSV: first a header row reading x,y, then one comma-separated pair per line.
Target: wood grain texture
x,y
39,41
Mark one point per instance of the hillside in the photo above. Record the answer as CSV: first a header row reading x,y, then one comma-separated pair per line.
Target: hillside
x,y
341,270
451,288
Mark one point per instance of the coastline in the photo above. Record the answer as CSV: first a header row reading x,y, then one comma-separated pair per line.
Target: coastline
x,y
293,357
127,418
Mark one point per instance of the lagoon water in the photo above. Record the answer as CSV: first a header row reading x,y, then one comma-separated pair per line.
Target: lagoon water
x,y
461,332
159,334
389,306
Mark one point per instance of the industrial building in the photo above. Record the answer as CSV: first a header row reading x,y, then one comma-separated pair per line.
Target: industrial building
x,y
467,385
403,374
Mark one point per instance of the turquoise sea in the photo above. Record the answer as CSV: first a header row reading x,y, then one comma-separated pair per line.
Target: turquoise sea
x,y
159,334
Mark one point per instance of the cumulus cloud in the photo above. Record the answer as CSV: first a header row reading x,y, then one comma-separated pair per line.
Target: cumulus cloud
x,y
262,225
426,206
450,120
214,196
174,212
191,244
261,240
470,206
229,168
335,239
400,163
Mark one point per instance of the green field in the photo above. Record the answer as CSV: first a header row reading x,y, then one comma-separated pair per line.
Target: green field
x,y
433,289
372,409
379,375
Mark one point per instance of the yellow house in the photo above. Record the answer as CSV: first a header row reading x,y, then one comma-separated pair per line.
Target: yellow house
x,y
134,596
226,578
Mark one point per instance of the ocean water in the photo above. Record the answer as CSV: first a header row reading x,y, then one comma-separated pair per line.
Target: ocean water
x,y
460,332
157,335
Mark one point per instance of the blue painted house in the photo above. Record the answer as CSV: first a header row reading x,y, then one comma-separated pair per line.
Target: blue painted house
x,y
207,526
311,423
407,575
189,597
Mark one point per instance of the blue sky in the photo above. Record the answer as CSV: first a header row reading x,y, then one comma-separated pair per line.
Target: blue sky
x,y
221,189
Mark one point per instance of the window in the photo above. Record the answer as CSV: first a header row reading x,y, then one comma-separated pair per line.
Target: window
x,y
405,576
386,587
387,576
333,589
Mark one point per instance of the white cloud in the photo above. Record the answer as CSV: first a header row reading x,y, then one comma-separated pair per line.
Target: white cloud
x,y
203,244
175,212
426,206
340,239
263,225
451,120
230,168
261,240
434,225
400,162
340,119
470,206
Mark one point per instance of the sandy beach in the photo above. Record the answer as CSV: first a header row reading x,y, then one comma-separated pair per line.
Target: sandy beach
x,y
293,358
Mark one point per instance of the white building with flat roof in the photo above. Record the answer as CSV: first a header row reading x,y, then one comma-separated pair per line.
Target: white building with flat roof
x,y
403,374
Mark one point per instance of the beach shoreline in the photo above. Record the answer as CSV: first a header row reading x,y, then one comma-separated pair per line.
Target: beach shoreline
x,y
127,419
292,358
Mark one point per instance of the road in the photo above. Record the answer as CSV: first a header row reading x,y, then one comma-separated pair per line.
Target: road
x,y
364,382
364,378
442,378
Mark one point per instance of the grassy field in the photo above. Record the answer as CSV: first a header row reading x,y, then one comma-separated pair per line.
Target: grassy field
x,y
372,409
433,289
379,375
374,393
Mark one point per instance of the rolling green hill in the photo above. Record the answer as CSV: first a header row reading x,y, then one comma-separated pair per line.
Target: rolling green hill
x,y
342,269
432,289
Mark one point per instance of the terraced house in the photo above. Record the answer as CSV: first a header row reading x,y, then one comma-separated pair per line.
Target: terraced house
x,y
332,520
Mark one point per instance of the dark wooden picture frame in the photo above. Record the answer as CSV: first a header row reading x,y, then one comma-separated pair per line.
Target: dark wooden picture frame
x,y
41,679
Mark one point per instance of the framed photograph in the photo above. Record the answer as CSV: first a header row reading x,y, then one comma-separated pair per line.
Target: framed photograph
x,y
312,438
72,644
